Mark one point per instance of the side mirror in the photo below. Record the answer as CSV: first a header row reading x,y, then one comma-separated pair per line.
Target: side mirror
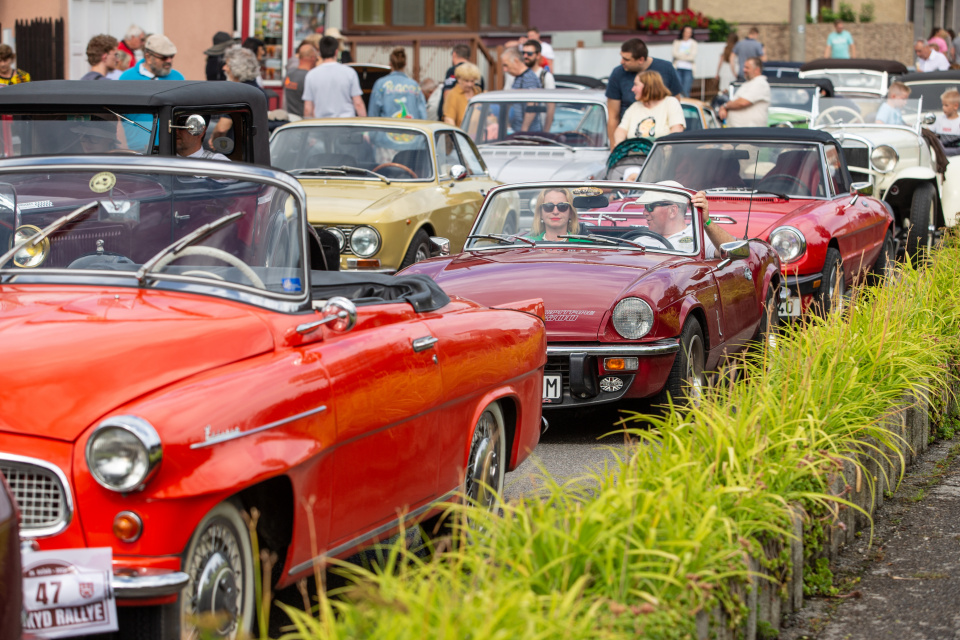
x,y
737,249
863,188
929,118
194,125
458,172
439,247
340,313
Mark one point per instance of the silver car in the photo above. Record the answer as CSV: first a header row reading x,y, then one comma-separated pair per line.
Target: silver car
x,y
540,134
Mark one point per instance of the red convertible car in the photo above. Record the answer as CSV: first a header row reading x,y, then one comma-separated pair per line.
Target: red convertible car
x,y
178,356
11,599
793,187
638,303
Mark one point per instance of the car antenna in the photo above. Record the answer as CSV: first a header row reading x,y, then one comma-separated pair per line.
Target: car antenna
x,y
753,190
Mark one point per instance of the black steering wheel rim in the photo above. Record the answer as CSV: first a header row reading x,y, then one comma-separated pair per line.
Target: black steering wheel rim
x,y
636,233
777,176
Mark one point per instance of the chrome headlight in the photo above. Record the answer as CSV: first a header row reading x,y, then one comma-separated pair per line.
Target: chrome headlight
x,y
29,257
884,158
339,235
789,243
123,453
632,318
364,241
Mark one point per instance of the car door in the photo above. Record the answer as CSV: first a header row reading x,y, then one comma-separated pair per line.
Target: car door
x,y
459,198
858,228
386,386
737,314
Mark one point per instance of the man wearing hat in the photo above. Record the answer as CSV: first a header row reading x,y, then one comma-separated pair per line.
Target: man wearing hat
x,y
665,216
221,42
158,53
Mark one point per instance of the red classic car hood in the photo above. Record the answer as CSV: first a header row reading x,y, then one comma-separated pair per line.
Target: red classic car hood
x,y
766,214
74,354
578,287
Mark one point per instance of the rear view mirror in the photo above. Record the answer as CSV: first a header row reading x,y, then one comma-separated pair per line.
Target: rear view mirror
x,y
439,246
590,202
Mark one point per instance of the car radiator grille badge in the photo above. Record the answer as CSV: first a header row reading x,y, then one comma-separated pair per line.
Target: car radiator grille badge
x,y
611,384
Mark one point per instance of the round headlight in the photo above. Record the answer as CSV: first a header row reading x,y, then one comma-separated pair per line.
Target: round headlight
x,y
123,453
364,241
789,243
632,318
341,238
29,257
884,158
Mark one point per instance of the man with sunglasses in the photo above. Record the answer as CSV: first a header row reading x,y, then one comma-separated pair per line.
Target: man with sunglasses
x,y
666,217
158,53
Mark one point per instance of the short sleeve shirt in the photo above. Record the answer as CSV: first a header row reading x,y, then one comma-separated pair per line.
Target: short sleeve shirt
x,y
936,62
946,126
620,83
888,115
839,44
293,91
640,121
141,72
331,87
757,91
527,80
681,241
747,48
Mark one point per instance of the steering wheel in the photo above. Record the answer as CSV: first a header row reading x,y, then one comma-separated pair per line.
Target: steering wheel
x,y
832,115
219,254
636,233
398,166
793,180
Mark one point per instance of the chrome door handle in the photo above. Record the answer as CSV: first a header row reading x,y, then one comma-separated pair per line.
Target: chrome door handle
x,y
424,343
180,218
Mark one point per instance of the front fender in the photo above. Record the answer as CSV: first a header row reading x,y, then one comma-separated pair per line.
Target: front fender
x,y
915,173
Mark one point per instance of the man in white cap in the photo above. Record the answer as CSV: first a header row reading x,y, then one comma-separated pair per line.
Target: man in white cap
x,y
665,217
158,53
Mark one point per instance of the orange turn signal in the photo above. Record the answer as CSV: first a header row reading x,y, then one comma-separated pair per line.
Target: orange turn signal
x,y
621,364
127,526
816,284
363,263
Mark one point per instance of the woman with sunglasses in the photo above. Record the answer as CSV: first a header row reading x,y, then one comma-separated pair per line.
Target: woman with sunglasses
x,y
554,215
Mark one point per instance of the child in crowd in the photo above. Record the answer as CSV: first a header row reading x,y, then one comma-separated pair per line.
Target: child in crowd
x,y
891,111
948,122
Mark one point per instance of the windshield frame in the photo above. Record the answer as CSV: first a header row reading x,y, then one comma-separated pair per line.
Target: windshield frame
x,y
698,231
107,110
826,103
284,303
501,97
365,127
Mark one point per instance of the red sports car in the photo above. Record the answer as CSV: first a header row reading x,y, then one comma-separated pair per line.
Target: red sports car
x,y
793,187
176,356
11,599
639,300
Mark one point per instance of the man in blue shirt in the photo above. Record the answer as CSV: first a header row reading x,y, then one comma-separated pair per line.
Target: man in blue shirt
x,y
634,58
158,53
396,95
840,43
523,78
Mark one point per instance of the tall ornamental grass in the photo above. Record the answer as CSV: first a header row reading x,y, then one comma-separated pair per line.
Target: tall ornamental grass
x,y
643,545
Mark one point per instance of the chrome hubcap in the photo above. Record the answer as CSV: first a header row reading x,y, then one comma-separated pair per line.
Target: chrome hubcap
x,y
422,253
694,372
216,580
484,469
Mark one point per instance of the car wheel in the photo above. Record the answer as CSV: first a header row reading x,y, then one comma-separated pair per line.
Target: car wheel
x,y
922,212
769,315
220,592
883,266
686,380
419,249
486,463
832,287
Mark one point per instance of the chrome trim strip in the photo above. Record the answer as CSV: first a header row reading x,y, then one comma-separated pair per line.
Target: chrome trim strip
x,y
46,532
156,583
653,349
233,435
307,564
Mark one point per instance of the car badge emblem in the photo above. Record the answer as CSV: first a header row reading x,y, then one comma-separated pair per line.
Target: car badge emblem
x,y
587,191
102,182
86,589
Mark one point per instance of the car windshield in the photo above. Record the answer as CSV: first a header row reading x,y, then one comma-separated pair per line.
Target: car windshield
x,y
854,80
793,170
394,152
621,216
254,241
800,98
105,131
574,124
890,111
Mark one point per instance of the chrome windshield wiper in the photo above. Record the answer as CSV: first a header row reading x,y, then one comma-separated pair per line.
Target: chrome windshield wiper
x,y
348,169
187,240
126,119
340,170
606,240
533,138
34,240
503,238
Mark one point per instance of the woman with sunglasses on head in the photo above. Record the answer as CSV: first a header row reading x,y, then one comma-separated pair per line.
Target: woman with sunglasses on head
x,y
554,215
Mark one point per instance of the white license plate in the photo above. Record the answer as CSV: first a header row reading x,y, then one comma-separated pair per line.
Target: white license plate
x,y
552,388
789,307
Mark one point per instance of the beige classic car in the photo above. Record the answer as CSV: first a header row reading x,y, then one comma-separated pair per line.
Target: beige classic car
x,y
385,186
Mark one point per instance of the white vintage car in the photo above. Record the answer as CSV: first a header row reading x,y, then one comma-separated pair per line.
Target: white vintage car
x,y
856,77
540,134
888,155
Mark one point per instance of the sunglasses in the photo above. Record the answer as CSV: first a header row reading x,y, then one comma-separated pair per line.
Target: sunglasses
x,y
160,57
529,53
547,207
650,206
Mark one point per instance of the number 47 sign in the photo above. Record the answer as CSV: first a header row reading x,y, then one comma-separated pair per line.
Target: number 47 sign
x,y
67,592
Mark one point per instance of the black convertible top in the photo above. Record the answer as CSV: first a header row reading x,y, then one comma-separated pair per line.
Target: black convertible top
x,y
825,84
587,81
161,93
952,75
821,64
418,290
743,134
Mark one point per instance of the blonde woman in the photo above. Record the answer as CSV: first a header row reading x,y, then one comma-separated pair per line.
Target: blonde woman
x,y
655,112
554,215
684,58
455,100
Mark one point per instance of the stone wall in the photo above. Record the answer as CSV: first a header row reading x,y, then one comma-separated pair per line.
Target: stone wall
x,y
873,40
746,11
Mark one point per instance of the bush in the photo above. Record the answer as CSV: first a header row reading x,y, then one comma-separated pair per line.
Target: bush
x,y
867,12
720,29
827,15
656,21
846,13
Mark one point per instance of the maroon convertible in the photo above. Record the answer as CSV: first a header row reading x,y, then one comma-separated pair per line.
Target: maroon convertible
x,y
636,305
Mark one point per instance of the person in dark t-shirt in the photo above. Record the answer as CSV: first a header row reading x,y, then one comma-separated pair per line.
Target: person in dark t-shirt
x,y
293,83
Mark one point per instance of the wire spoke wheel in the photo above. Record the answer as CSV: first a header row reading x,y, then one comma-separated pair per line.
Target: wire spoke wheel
x,y
693,376
485,466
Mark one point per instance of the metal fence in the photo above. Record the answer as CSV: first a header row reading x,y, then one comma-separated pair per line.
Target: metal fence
x,y
40,48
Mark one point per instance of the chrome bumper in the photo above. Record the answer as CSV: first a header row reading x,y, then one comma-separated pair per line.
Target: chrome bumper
x,y
149,583
613,350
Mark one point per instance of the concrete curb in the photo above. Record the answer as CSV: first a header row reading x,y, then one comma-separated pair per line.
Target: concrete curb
x,y
769,597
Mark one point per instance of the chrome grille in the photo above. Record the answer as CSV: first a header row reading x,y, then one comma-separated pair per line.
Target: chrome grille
x,y
347,229
39,494
561,365
63,251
